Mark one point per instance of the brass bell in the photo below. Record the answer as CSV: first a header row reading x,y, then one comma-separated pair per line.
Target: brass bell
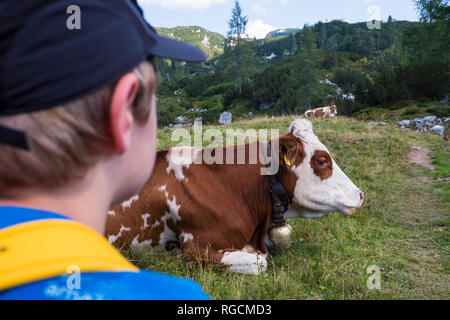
x,y
281,236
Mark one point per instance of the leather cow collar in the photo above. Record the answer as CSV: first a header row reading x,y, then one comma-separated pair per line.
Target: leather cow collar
x,y
280,199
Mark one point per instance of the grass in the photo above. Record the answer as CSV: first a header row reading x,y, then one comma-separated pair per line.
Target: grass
x,y
402,227
402,113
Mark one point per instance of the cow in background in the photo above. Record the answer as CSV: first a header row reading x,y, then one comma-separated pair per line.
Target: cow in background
x,y
326,112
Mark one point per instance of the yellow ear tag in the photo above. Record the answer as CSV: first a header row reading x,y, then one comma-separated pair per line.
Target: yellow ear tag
x,y
286,160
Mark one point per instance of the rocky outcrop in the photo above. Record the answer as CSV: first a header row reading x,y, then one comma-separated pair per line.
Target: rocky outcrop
x,y
431,123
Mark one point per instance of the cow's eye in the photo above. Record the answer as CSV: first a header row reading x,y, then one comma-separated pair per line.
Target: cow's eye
x,y
322,161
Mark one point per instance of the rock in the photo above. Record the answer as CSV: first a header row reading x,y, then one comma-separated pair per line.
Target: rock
x,y
404,123
430,119
326,81
349,96
265,106
438,129
226,118
422,129
198,110
273,55
181,119
418,122
371,123
430,123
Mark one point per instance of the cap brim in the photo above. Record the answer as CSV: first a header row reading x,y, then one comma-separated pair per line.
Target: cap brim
x,y
174,49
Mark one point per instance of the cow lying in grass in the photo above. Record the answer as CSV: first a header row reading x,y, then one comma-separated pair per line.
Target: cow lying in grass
x,y
221,213
326,112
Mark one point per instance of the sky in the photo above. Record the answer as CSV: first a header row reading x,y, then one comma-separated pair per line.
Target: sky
x,y
267,15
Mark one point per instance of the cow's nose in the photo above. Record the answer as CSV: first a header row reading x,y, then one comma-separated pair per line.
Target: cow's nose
x,y
361,196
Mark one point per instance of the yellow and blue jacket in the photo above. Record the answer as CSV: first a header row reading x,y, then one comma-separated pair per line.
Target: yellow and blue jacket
x,y
45,255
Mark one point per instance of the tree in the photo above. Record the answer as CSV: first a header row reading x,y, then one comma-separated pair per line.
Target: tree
x,y
238,23
307,40
433,10
294,46
333,43
237,26
307,64
426,47
323,36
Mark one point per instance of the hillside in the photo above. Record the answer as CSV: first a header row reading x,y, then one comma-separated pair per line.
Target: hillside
x,y
282,32
402,227
210,42
338,36
327,63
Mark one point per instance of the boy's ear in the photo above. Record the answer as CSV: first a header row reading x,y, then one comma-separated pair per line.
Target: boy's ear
x,y
121,115
291,151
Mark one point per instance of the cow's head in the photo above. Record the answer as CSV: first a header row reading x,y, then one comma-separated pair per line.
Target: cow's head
x,y
320,186
333,111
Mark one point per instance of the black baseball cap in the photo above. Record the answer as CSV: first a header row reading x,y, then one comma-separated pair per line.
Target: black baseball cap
x,y
47,60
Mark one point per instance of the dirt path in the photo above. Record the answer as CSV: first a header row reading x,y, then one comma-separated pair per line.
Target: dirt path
x,y
423,214
420,156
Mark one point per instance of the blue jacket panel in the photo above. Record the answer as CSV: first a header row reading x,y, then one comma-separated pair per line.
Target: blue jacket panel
x,y
144,285
107,285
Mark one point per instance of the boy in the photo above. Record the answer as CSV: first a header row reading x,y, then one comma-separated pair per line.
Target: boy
x,y
77,135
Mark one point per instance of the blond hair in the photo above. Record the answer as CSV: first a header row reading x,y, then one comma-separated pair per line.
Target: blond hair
x,y
68,140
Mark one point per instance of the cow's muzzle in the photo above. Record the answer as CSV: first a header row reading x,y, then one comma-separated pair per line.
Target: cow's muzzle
x,y
348,211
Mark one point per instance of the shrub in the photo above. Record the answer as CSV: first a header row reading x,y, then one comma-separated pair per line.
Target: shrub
x,y
214,106
412,110
440,111
228,88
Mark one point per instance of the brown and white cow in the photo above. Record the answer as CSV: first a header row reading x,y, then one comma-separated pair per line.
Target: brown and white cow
x,y
222,213
326,112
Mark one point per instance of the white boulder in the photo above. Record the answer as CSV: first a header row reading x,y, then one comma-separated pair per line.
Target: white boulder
x,y
438,129
226,118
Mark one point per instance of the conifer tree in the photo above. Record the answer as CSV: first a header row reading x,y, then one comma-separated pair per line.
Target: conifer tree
x,y
237,26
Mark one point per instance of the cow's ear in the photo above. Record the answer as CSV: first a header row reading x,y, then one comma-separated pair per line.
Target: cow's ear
x,y
301,129
291,151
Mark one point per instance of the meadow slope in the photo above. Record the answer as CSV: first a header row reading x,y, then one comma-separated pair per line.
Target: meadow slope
x,y
402,227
